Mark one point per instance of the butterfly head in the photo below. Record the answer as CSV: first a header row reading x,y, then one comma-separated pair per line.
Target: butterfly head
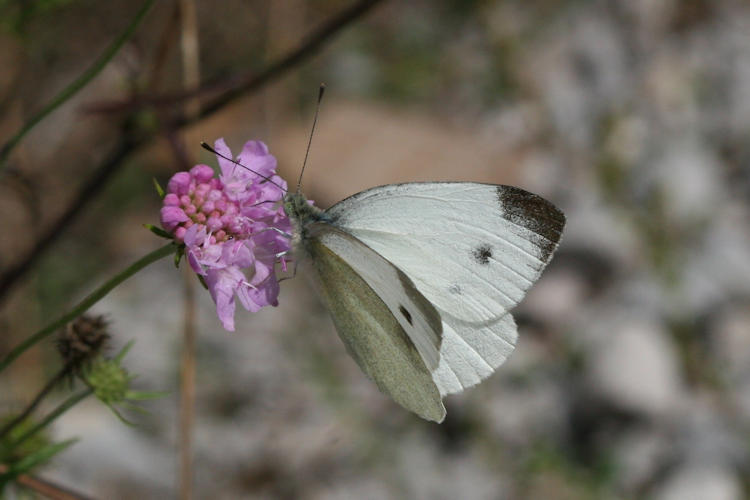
x,y
301,212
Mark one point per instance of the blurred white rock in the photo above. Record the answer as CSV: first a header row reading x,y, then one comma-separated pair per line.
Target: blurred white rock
x,y
521,414
422,472
717,268
701,482
731,335
638,453
635,368
689,176
557,297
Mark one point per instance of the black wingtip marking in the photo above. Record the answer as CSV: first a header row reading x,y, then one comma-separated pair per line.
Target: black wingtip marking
x,y
534,213
482,254
406,314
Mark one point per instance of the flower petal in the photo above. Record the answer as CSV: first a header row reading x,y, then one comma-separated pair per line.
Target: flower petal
x,y
202,173
227,167
171,216
179,183
222,284
255,157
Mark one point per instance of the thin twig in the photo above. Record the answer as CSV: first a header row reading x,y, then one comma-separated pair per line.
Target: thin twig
x,y
77,84
62,408
128,144
86,193
221,91
44,487
190,78
59,376
187,388
86,303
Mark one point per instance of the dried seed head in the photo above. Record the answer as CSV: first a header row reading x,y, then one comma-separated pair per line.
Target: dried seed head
x,y
81,340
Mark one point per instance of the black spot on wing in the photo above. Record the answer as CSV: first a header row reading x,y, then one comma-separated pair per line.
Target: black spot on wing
x,y
482,254
534,213
406,314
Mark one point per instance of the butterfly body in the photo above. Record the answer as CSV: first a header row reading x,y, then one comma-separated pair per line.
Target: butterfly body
x,y
420,279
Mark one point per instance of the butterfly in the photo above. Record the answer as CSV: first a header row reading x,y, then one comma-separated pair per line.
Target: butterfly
x,y
420,279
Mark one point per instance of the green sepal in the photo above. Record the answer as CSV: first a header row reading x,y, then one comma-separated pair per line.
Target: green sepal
x,y
159,189
158,231
178,255
120,417
203,281
121,355
144,396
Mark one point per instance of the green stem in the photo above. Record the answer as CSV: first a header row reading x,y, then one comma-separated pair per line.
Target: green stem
x,y
61,374
77,84
64,406
86,303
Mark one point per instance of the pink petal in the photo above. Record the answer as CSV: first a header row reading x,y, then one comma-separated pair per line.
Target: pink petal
x,y
222,285
171,199
171,216
179,183
202,173
256,158
227,167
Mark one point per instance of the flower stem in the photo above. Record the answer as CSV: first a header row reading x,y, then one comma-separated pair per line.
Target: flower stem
x,y
45,488
86,303
61,374
64,406
77,84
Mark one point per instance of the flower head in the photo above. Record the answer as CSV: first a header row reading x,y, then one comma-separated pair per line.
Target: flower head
x,y
233,226
82,340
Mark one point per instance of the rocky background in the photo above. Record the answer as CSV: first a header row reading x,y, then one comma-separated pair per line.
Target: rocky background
x,y
631,378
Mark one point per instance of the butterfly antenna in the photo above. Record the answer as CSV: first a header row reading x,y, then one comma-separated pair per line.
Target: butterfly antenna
x,y
265,178
321,91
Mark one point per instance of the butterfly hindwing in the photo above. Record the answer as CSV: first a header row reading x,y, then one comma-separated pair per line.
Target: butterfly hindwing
x,y
388,327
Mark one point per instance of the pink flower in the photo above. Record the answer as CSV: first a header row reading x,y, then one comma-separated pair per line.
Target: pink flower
x,y
234,227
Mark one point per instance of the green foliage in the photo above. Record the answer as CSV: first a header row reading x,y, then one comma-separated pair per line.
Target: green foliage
x,y
15,15
110,382
32,460
9,453
21,455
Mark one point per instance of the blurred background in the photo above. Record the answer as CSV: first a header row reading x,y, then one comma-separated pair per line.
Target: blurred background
x,y
631,377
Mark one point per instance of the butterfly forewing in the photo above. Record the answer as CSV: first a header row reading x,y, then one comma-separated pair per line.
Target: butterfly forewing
x,y
358,286
472,249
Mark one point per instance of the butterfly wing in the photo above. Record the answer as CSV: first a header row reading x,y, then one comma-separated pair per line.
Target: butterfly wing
x,y
389,328
471,249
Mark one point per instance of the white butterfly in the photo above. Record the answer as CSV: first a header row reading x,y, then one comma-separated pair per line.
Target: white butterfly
x,y
420,279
